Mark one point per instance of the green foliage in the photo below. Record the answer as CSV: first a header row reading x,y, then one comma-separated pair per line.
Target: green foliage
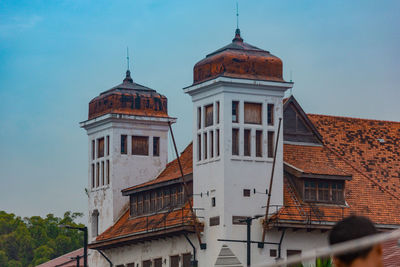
x,y
31,241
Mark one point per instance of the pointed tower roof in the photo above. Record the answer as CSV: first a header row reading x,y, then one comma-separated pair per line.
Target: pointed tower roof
x,y
239,60
129,98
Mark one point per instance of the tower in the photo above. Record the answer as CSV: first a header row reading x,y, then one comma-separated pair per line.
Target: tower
x,y
237,96
128,136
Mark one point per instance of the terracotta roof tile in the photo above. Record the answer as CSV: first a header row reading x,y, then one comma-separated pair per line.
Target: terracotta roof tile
x,y
351,145
151,223
313,160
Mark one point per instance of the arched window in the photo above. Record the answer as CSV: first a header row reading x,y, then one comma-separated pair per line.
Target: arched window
x,y
95,223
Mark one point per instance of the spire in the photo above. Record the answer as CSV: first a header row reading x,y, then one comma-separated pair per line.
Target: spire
x,y
128,78
237,38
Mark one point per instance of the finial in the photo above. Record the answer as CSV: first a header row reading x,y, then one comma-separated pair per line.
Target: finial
x,y
127,57
237,16
128,78
237,38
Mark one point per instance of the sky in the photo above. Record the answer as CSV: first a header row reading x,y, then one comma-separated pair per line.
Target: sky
x,y
55,56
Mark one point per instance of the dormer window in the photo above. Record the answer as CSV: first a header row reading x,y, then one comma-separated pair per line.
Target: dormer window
x,y
323,191
156,200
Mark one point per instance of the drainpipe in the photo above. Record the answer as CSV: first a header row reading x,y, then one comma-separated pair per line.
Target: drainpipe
x,y
280,243
194,263
104,255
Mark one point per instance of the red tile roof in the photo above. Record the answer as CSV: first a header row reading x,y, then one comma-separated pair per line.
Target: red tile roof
x,y
313,160
131,229
65,260
351,146
172,170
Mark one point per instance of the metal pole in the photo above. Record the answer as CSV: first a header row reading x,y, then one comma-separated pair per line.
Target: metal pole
x,y
272,179
77,260
85,240
202,246
248,222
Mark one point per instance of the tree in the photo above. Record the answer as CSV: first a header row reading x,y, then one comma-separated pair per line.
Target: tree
x,y
31,241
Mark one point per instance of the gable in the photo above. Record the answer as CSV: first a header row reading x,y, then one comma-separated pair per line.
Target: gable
x,y
297,127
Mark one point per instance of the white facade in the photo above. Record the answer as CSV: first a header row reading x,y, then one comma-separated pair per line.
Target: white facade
x,y
105,198
224,177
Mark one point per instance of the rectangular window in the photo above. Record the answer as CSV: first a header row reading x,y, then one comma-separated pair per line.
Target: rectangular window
x,y
132,264
259,143
108,145
211,144
218,110
173,196
156,146
246,192
93,149
158,262
180,194
209,115
174,261
205,146
198,147
167,196
323,191
146,203
159,201
140,204
108,172
93,176
217,142
214,221
146,263
140,145
187,259
235,111
252,113
102,173
213,202
153,198
310,190
235,141
97,174
199,118
100,147
270,114
270,144
133,207
247,142
124,144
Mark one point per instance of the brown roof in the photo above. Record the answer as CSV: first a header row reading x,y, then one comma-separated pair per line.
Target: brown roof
x,y
129,98
313,160
351,146
172,171
131,230
239,60
65,260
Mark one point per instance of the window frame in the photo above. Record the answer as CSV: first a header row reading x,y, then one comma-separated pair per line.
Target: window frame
x,y
319,189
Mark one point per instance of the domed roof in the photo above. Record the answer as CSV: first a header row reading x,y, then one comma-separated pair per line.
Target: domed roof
x,y
129,98
239,60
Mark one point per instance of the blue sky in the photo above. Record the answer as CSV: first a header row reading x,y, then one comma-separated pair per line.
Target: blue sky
x,y
56,55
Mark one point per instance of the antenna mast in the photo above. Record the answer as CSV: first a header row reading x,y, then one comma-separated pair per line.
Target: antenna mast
x,y
127,57
237,15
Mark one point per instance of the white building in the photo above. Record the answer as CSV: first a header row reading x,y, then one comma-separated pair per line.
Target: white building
x,y
145,212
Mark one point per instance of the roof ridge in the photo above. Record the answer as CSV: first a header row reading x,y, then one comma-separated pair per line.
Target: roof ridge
x,y
353,118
